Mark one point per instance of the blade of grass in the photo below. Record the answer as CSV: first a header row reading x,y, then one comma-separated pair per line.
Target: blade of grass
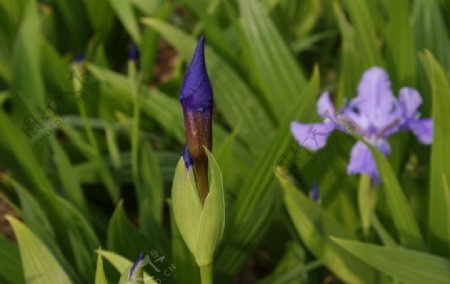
x,y
32,251
408,266
124,11
256,196
315,226
402,214
278,72
438,208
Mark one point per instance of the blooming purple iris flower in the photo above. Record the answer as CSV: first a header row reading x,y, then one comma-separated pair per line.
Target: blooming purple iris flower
x,y
374,114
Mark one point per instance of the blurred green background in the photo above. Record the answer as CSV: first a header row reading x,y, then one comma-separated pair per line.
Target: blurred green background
x,y
89,139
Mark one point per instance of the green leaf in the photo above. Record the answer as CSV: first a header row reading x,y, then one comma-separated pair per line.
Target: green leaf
x,y
150,185
238,104
27,84
76,234
32,253
277,70
430,30
401,211
187,270
400,47
125,238
101,16
439,206
407,266
124,10
315,226
45,228
71,185
100,277
365,32
257,199
212,217
186,204
367,200
351,65
10,267
123,265
18,155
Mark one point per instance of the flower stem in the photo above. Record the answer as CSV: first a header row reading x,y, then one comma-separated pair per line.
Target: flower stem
x,y
367,199
206,274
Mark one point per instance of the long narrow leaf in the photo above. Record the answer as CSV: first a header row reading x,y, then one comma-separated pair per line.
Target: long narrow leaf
x,y
408,266
439,205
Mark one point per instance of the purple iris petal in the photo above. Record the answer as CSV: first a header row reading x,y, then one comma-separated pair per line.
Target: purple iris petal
x,y
312,136
375,103
325,107
196,91
410,100
362,162
423,130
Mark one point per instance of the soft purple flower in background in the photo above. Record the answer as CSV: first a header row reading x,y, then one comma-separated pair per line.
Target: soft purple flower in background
x,y
374,114
314,193
133,52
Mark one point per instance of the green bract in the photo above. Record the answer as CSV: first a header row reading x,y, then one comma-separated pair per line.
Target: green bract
x,y
201,226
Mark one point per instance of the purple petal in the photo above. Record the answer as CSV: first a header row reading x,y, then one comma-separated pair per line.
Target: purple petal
x,y
423,129
362,162
186,158
196,91
325,107
410,100
375,103
312,136
382,145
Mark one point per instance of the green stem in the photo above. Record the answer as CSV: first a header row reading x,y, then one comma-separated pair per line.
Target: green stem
x,y
367,199
206,274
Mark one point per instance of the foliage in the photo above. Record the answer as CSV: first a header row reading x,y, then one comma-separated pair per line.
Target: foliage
x,y
89,146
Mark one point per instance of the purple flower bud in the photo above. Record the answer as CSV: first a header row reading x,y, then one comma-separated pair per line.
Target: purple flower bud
x,y
196,91
135,265
196,98
314,193
133,52
79,57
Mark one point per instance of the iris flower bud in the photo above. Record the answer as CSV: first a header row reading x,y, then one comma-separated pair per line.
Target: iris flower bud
x,y
133,52
196,99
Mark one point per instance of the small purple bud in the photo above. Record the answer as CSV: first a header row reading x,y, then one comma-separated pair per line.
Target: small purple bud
x,y
186,158
196,91
135,265
314,193
79,57
133,52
